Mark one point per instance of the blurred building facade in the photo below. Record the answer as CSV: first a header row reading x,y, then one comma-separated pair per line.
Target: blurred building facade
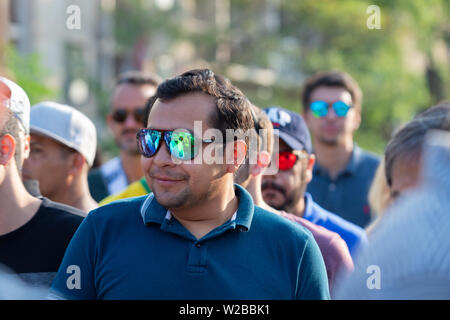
x,y
83,59
73,40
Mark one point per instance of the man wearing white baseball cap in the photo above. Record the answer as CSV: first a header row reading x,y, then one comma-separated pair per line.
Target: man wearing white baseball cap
x,y
63,143
34,231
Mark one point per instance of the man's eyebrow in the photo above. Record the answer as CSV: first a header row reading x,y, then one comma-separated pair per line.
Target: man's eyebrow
x,y
172,129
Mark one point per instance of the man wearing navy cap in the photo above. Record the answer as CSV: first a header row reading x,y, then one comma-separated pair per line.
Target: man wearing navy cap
x,y
286,190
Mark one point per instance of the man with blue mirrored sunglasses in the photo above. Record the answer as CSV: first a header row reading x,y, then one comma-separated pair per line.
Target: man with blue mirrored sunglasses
x,y
343,171
319,108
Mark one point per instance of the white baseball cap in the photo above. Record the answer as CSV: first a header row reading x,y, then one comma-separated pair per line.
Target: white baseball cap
x,y
17,102
66,125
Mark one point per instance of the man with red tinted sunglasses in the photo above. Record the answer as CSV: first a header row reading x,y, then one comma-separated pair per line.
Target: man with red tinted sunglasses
x,y
286,189
334,249
131,94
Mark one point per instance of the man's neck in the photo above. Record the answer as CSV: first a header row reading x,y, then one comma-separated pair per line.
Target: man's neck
x,y
209,214
76,195
334,158
17,205
131,164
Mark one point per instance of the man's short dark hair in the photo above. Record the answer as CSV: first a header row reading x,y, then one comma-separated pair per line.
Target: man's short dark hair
x,y
233,109
136,77
407,142
332,78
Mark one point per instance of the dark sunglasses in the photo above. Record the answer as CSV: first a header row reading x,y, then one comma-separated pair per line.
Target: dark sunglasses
x,y
120,115
320,108
180,144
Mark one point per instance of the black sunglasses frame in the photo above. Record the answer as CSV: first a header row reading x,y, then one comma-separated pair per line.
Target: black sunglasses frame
x,y
164,137
120,115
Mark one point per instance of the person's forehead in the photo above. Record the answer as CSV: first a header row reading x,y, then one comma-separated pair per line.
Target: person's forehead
x,y
182,112
331,94
132,96
43,140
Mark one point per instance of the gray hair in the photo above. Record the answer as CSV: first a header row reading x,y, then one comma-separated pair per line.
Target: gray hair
x,y
407,142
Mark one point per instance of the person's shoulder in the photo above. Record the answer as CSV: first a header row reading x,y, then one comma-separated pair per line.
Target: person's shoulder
x,y
330,217
271,223
58,218
62,211
369,158
119,209
319,232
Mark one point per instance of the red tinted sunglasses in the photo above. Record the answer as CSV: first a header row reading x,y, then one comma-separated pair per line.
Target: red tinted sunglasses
x,y
286,160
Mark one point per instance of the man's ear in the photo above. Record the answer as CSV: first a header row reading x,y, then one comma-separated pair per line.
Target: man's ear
x,y
77,163
309,168
263,161
235,155
357,120
7,149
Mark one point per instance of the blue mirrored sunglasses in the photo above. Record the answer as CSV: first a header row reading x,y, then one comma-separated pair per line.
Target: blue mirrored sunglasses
x,y
320,108
180,144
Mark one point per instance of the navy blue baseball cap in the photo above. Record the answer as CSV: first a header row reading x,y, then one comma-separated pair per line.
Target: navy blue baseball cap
x,y
291,128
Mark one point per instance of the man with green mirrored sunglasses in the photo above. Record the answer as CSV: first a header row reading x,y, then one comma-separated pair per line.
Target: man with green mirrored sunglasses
x,y
197,235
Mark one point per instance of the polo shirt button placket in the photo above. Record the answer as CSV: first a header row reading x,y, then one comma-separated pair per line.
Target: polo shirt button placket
x,y
198,245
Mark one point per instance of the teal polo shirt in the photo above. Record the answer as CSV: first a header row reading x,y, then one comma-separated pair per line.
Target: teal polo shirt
x,y
135,249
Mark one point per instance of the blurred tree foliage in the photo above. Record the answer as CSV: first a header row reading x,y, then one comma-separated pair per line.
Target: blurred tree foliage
x,y
28,72
402,68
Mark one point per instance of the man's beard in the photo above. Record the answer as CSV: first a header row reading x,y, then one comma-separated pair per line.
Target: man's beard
x,y
290,199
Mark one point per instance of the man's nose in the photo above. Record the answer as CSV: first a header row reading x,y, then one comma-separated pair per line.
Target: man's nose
x,y
331,114
163,156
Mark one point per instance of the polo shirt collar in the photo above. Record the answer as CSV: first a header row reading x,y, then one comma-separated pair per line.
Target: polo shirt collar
x,y
351,167
153,212
308,206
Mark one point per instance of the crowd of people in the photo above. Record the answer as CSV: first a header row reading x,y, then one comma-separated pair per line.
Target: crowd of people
x,y
213,197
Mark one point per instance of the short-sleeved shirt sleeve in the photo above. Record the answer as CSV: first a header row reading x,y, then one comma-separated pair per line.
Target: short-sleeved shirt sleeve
x,y
75,278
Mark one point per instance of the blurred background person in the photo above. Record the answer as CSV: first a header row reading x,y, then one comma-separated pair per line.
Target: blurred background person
x,y
131,94
403,157
409,245
379,196
139,187
343,172
63,145
285,190
34,232
14,288
334,250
